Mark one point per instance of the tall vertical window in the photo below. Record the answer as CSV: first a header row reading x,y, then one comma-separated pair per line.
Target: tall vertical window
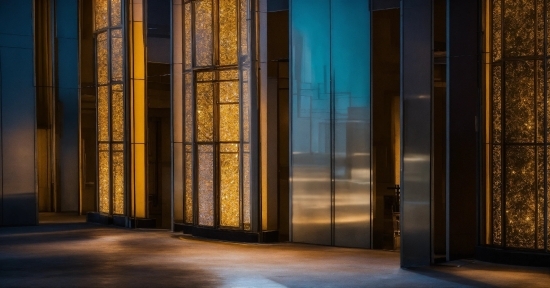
x,y
517,138
110,104
211,113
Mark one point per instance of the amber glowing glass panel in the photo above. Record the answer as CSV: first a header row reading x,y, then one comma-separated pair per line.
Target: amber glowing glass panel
x,y
229,92
228,32
519,28
100,11
520,101
539,10
205,76
117,116
188,107
540,197
118,181
205,112
520,196
244,26
117,61
203,33
229,75
497,195
187,43
229,122
206,185
539,65
188,184
245,110
104,181
102,59
497,104
497,29
116,13
229,185
103,113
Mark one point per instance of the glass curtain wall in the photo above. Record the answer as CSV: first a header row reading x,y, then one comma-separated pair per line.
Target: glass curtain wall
x,y
516,130
108,23
211,113
330,122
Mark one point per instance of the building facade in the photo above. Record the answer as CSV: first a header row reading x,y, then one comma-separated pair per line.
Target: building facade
x,y
412,125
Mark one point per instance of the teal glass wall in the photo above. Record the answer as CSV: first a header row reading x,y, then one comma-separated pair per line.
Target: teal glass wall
x,y
330,122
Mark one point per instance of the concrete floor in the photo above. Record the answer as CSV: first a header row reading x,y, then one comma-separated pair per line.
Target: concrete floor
x,y
89,255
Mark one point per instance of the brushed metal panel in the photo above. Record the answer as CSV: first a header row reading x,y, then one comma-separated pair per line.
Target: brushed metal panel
x,y
416,93
351,102
310,182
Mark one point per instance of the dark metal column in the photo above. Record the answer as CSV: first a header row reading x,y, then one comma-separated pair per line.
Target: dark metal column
x,y
416,95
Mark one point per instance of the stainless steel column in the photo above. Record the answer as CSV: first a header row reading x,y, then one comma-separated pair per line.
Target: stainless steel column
x,y
416,95
19,200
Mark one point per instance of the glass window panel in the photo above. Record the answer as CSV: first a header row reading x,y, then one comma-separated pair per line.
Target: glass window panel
x,y
117,62
244,26
229,92
520,196
187,44
229,188
229,122
118,182
103,113
540,197
520,101
203,33
104,181
539,65
228,32
100,10
117,112
206,184
102,59
188,107
245,104
519,27
188,184
116,13
497,29
540,26
497,195
497,104
205,76
229,75
205,112
246,191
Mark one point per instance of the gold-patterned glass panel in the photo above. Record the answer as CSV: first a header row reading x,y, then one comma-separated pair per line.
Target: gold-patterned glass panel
x,y
519,28
497,195
229,75
206,184
187,38
244,27
188,184
229,92
539,10
205,76
203,33
104,181
103,113
497,104
205,112
520,101
117,55
246,191
245,100
116,13
100,11
229,122
228,32
118,182
539,65
102,59
520,192
117,116
540,197
229,187
188,102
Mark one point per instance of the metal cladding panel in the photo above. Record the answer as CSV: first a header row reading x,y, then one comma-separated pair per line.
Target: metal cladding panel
x,y
310,181
351,102
416,81
67,81
19,202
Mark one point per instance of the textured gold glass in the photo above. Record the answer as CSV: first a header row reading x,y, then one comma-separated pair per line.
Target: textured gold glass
x,y
117,61
203,33
244,26
104,181
540,197
229,75
228,32
497,195
205,76
497,30
519,28
187,43
118,182
520,101
103,113
117,116
229,122
246,191
497,104
188,107
205,112
229,92
116,13
100,11
102,59
229,188
188,184
206,185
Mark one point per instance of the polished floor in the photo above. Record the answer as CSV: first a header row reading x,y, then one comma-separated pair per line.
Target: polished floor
x,y
88,255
